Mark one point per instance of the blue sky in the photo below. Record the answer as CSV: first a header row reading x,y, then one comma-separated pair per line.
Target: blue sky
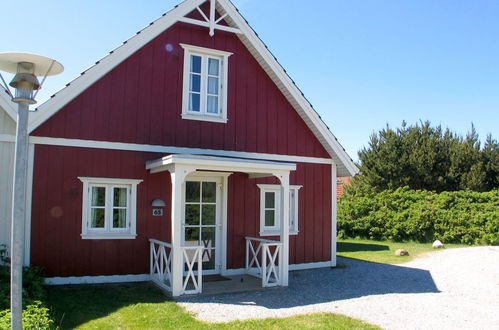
x,y
361,63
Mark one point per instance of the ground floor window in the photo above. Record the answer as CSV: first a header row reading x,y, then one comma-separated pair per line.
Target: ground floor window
x,y
109,208
270,209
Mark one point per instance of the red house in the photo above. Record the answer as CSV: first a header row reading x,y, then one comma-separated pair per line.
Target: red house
x,y
186,151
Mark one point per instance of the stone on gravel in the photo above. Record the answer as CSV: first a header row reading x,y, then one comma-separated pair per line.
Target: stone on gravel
x,y
401,252
446,290
437,244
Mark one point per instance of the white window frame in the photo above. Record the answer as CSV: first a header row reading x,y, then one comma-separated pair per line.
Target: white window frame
x,y
205,53
130,231
275,230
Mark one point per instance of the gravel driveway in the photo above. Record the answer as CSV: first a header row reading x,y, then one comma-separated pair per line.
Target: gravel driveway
x,y
449,289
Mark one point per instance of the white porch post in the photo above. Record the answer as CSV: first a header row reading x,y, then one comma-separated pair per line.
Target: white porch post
x,y
334,210
177,178
284,255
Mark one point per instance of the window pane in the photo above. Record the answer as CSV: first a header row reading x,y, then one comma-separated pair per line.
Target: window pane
x,y
194,102
119,197
213,65
192,215
119,218
212,104
97,218
209,192
269,200
192,191
212,85
195,63
195,83
208,259
209,212
191,236
208,237
98,196
269,218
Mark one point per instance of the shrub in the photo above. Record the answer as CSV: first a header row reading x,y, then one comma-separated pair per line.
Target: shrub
x,y
35,316
404,214
33,283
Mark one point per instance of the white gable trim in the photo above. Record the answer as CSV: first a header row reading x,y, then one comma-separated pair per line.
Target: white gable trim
x,y
7,105
94,73
346,167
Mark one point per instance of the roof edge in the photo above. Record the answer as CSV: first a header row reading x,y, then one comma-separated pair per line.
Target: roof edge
x,y
7,105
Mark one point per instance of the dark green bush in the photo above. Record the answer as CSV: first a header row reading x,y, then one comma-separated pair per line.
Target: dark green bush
x,y
404,214
35,316
33,283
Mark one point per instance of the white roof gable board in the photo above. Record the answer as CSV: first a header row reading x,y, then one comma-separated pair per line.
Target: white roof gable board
x,y
7,105
345,166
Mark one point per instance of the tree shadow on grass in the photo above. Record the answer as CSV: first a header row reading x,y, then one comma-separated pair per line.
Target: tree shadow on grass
x,y
357,247
357,279
74,305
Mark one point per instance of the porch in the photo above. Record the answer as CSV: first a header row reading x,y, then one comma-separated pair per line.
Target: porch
x,y
198,243
262,268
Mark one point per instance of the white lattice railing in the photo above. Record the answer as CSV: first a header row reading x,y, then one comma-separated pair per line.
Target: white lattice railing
x,y
161,266
193,283
262,256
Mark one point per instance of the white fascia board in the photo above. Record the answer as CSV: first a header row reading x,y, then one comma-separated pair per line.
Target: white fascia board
x,y
94,73
317,125
219,163
7,105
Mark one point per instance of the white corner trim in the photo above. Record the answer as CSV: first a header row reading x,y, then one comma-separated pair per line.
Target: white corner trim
x,y
96,279
174,150
29,200
334,212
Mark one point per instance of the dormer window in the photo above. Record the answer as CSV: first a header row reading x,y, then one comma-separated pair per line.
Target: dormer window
x,y
205,84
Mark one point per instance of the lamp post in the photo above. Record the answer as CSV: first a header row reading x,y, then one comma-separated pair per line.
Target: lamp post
x,y
26,68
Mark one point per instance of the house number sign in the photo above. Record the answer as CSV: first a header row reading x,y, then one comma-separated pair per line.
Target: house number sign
x,y
157,212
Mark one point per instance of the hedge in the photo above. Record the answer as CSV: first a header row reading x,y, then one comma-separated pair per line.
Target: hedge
x,y
404,214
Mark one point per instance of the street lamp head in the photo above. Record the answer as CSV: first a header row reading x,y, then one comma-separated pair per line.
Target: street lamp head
x,y
25,83
26,68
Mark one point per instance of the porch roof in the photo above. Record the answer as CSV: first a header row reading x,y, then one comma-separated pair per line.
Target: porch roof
x,y
255,168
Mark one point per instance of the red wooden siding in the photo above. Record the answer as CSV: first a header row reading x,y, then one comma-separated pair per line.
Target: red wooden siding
x,y
57,212
140,101
57,208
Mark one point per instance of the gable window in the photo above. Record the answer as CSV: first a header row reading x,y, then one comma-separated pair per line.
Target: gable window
x,y
270,209
205,79
109,208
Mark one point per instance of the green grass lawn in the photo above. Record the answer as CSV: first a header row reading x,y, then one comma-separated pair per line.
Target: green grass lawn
x,y
143,306
384,251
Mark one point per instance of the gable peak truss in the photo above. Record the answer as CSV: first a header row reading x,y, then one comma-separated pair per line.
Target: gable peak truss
x,y
210,20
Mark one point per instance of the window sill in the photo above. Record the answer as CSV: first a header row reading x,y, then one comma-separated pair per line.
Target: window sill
x,y
108,236
276,233
204,118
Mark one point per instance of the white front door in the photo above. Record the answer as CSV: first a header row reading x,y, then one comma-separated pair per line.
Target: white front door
x,y
202,223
